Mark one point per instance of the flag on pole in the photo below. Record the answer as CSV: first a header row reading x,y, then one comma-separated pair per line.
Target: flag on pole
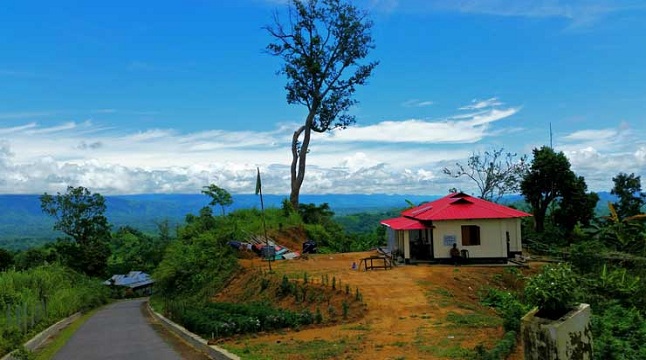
x,y
258,184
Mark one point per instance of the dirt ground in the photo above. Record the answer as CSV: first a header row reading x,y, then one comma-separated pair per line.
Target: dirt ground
x,y
411,312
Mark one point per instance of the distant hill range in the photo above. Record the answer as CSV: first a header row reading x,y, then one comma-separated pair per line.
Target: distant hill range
x,y
22,221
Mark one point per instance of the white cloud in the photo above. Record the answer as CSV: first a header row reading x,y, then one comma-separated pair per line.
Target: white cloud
x,y
403,157
417,103
591,135
600,154
463,130
482,104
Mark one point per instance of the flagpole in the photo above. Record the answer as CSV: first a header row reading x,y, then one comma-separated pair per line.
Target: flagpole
x,y
262,215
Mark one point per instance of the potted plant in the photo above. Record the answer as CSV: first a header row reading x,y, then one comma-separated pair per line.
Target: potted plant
x,y
557,327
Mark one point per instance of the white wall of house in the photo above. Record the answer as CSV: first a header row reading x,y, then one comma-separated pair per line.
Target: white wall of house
x,y
493,237
515,235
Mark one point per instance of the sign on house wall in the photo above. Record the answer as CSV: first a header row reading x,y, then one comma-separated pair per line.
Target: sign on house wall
x,y
449,240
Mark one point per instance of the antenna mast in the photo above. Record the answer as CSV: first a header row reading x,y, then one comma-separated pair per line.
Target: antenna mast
x,y
551,143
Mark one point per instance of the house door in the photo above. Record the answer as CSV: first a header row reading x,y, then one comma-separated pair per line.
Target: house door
x,y
421,245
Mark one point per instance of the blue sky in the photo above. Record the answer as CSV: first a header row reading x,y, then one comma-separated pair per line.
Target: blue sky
x,y
153,97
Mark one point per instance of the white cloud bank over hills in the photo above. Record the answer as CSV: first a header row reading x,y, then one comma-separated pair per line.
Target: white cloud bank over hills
x,y
404,157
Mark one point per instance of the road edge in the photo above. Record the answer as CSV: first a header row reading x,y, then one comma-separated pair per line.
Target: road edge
x,y
213,351
37,341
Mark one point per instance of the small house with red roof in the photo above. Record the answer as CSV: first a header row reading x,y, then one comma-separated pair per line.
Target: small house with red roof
x,y
482,230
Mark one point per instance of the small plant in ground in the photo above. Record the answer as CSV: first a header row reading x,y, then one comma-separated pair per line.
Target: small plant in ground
x,y
286,287
305,278
331,310
297,298
333,282
264,284
345,307
347,289
357,295
318,317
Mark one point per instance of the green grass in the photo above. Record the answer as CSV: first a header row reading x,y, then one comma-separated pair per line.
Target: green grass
x,y
473,320
63,337
315,349
362,327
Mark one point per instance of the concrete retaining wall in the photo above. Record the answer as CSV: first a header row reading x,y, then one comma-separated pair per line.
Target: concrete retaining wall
x,y
37,341
213,351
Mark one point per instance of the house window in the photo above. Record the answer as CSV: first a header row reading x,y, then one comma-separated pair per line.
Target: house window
x,y
470,235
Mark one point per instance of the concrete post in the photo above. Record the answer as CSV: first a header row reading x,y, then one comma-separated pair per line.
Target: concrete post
x,y
568,338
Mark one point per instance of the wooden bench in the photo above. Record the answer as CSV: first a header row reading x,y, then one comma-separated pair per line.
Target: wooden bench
x,y
375,262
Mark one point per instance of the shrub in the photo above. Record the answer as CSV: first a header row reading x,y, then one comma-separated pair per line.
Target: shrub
x,y
619,333
286,287
345,309
503,348
553,290
227,319
510,308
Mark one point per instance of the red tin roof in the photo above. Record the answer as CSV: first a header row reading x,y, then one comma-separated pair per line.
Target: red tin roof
x,y
461,206
403,223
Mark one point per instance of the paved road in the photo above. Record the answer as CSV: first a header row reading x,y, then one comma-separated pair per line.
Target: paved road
x,y
119,331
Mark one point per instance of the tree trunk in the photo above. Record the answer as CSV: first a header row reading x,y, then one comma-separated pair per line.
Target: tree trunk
x,y
299,157
539,221
539,214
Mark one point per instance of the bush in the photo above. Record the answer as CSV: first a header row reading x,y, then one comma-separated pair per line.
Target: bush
x,y
227,319
33,299
510,308
619,333
553,290
503,348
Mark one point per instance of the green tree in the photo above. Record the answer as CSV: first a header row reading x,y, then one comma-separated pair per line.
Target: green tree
x,y
6,259
628,189
322,45
218,195
133,250
576,206
495,172
80,215
549,177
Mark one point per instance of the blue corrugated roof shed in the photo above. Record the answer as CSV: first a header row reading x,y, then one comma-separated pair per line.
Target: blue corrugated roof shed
x,y
133,279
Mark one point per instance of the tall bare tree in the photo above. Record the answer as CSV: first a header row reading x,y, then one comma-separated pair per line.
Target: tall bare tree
x,y
495,172
322,44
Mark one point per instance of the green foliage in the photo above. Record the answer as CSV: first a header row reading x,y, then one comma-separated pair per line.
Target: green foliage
x,y
549,177
576,206
503,348
199,262
6,259
227,319
313,214
131,249
621,234
508,305
33,299
554,289
80,215
286,287
218,195
618,333
628,189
